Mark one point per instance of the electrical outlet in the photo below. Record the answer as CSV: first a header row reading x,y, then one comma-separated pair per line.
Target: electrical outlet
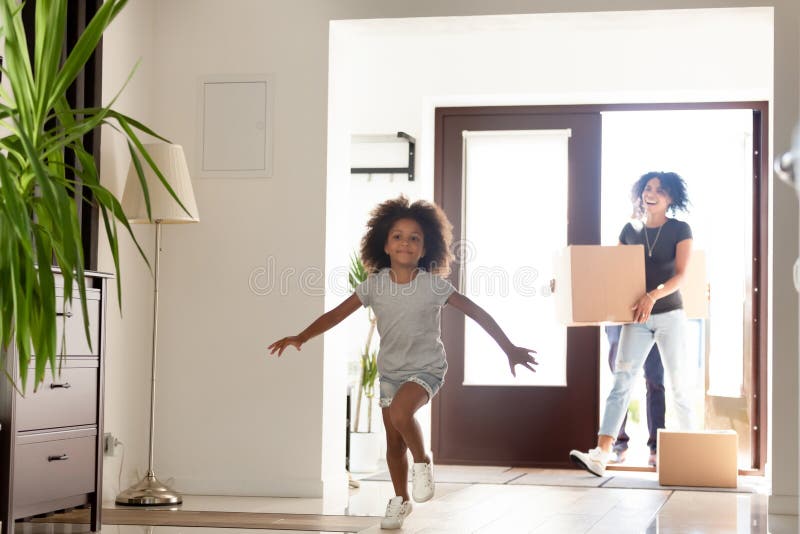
x,y
109,444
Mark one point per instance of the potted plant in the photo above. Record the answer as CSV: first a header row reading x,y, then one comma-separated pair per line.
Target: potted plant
x,y
365,447
39,225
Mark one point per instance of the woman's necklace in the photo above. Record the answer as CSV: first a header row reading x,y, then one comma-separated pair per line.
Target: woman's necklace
x,y
647,240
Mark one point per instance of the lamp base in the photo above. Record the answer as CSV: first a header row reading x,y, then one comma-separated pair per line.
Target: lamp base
x,y
149,492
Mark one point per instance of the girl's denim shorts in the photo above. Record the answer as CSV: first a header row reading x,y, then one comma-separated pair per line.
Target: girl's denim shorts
x,y
389,387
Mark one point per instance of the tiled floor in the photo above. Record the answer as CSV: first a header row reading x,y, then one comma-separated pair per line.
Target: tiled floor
x,y
499,500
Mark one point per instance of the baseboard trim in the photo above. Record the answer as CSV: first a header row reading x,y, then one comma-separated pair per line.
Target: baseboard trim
x,y
285,487
784,504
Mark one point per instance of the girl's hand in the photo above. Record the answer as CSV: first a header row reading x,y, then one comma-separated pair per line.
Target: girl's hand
x,y
281,344
521,356
643,308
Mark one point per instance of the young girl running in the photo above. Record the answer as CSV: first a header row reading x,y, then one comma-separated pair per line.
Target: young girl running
x,y
407,251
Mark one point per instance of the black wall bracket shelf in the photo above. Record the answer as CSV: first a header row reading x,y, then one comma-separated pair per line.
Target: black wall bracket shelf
x,y
392,170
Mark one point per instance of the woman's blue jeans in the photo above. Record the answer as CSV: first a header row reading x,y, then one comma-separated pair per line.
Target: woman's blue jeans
x,y
654,381
668,331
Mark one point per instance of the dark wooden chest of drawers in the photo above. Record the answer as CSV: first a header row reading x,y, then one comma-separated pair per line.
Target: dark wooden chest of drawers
x,y
51,454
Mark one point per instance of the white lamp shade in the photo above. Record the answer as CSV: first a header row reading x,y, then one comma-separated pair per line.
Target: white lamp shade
x,y
163,208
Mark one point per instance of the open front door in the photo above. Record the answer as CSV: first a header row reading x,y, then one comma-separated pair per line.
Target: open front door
x,y
519,183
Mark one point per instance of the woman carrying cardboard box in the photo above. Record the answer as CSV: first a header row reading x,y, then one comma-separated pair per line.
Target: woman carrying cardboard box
x,y
658,314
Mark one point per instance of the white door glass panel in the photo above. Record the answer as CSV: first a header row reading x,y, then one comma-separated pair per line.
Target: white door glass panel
x,y
515,219
712,151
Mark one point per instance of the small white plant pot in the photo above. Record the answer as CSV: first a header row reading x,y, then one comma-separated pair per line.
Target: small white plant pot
x,y
365,452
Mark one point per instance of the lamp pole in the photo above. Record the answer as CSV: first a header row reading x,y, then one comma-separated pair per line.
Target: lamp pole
x,y
150,491
150,471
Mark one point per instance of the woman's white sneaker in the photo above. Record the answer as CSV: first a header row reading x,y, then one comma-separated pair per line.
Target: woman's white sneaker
x,y
396,513
422,484
594,461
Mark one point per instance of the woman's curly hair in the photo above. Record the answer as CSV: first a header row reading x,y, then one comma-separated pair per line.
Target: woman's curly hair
x,y
671,182
437,234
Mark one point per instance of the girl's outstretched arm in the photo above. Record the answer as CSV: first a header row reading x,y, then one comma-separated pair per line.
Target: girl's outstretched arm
x,y
324,322
516,355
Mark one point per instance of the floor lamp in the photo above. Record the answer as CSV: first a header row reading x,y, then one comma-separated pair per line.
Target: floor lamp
x,y
163,210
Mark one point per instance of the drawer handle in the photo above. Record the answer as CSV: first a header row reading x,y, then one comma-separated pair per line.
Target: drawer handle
x,y
65,385
57,458
65,314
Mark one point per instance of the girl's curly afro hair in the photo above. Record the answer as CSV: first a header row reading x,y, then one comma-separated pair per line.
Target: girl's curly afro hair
x,y
671,182
437,234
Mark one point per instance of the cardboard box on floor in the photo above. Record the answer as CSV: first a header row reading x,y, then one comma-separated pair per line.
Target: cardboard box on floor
x,y
697,459
597,284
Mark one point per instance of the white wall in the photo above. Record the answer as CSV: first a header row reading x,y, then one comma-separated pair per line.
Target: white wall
x,y
389,75
127,394
230,420
784,401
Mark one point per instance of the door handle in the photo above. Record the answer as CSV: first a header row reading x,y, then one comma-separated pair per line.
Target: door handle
x,y
64,314
787,166
65,385
59,458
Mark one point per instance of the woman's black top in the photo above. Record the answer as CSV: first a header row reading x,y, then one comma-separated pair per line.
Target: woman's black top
x,y
660,266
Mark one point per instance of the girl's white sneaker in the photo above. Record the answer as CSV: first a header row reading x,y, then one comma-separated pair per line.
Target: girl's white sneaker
x,y
396,513
422,484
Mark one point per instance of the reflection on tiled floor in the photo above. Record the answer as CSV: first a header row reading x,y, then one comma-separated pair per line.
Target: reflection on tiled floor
x,y
460,474
505,508
176,517
44,528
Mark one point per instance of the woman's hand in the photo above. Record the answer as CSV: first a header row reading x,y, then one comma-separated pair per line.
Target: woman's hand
x,y
643,308
521,356
281,344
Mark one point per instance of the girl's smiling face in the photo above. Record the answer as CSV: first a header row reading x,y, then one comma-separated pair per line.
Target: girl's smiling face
x,y
654,198
405,243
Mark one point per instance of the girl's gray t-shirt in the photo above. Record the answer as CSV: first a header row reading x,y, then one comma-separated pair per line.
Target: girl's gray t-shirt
x,y
408,318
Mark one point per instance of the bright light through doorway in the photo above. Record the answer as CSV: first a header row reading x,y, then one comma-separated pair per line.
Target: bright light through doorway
x,y
712,151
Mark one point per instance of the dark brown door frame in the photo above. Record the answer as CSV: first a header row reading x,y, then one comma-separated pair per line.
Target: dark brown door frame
x,y
512,436
759,313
